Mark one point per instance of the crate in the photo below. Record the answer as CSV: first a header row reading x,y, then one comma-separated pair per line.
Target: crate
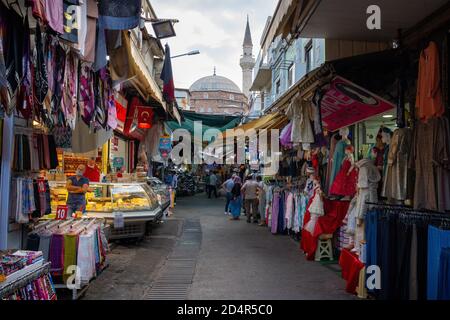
x,y
130,230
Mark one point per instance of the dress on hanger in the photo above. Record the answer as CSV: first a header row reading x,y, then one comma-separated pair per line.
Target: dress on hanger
x,y
300,112
337,160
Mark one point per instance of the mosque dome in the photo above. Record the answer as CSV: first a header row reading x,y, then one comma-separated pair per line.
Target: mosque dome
x,y
215,83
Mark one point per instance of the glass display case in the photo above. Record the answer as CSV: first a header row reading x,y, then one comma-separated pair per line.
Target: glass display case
x,y
135,201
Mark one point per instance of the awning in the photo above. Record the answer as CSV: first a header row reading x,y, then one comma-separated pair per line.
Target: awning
x,y
267,122
283,10
263,76
347,20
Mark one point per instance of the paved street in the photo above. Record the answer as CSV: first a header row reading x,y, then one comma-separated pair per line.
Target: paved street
x,y
236,261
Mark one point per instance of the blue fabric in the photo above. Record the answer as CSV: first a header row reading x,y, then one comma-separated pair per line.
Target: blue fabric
x,y
444,275
119,14
235,207
281,214
437,240
371,238
338,158
100,48
227,204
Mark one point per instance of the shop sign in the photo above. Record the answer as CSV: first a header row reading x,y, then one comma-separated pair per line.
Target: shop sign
x,y
165,146
118,162
61,213
345,103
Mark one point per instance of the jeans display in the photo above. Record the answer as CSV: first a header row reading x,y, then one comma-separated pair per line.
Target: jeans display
x,y
406,245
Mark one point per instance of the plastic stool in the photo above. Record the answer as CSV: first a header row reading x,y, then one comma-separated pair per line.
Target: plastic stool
x,y
324,248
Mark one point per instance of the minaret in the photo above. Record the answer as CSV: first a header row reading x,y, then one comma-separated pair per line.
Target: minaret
x,y
247,61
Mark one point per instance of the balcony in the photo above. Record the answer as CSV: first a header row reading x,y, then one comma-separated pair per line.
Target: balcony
x,y
262,74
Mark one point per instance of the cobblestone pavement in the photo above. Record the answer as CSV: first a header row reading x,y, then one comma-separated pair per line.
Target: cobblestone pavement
x,y
236,261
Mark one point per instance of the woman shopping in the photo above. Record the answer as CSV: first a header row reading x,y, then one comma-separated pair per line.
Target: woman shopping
x,y
236,200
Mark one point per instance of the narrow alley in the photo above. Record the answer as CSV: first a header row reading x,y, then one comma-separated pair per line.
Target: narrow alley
x,y
236,261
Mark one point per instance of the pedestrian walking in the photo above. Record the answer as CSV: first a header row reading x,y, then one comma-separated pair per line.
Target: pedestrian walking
x,y
228,187
249,189
212,185
207,179
236,199
262,189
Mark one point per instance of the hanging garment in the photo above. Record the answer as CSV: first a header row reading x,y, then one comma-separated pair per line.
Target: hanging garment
x,y
4,100
119,14
396,176
437,240
441,161
444,275
54,13
337,160
429,101
13,51
86,93
285,136
422,153
69,90
275,212
92,16
345,182
40,70
300,113
121,61
367,184
25,101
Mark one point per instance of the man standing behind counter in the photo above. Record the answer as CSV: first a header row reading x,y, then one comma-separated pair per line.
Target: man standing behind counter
x,y
77,187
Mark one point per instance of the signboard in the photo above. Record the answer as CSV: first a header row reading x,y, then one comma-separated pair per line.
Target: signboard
x,y
165,146
344,103
61,212
118,162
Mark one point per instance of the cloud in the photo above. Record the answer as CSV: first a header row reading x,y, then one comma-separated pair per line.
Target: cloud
x,y
216,28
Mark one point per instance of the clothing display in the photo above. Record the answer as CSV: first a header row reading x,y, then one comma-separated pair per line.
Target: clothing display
x,y
397,175
301,114
79,243
429,100
406,244
429,158
344,183
337,160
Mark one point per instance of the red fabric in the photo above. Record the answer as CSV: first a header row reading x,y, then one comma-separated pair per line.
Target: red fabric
x,y
93,174
345,184
335,212
351,267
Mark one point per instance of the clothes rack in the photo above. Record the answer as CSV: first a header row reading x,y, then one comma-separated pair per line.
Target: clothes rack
x,y
24,280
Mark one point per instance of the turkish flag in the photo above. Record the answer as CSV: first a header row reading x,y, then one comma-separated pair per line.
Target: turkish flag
x,y
145,115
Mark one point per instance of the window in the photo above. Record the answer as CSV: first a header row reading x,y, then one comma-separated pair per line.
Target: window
x,y
309,56
209,110
278,86
205,96
202,109
231,96
291,75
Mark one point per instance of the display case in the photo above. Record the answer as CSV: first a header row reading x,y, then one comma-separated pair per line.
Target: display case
x,y
136,201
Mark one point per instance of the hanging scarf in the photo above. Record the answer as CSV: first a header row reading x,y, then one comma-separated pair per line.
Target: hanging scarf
x,y
40,70
58,77
86,93
25,101
13,55
4,101
69,90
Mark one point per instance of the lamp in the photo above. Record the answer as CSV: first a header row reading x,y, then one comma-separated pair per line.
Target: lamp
x,y
163,27
190,53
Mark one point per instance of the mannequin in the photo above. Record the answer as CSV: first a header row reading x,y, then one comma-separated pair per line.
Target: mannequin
x,y
345,182
368,178
339,154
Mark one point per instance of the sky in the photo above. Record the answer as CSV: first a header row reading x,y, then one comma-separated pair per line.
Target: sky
x,y
215,28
